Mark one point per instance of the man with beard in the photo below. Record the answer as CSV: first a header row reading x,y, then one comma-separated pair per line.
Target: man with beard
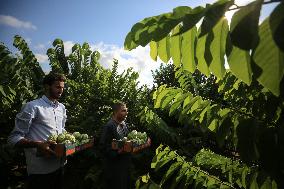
x,y
36,121
116,163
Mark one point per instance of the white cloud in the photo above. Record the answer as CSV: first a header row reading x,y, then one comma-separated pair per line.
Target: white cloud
x,y
243,2
40,46
139,59
68,47
16,23
41,58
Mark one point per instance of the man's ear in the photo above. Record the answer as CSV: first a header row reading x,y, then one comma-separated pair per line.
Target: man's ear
x,y
46,88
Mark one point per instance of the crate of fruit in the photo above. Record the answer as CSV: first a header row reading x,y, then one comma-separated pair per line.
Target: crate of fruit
x,y
133,143
66,144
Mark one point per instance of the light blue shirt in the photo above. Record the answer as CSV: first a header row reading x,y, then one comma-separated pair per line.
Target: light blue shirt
x,y
37,120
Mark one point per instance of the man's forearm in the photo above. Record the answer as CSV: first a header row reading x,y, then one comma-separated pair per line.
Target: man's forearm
x,y
25,143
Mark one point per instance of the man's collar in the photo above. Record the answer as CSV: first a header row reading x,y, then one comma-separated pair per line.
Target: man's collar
x,y
49,101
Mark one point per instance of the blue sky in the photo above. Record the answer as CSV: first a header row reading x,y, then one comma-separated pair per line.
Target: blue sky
x,y
104,24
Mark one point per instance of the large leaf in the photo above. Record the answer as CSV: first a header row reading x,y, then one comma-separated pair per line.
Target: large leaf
x,y
164,49
247,132
200,49
154,50
179,98
191,19
213,14
154,28
165,160
187,49
160,97
239,62
217,48
169,97
276,21
171,171
223,130
270,59
244,26
2,91
176,47
180,175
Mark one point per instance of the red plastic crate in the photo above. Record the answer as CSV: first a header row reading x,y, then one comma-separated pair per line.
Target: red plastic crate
x,y
62,150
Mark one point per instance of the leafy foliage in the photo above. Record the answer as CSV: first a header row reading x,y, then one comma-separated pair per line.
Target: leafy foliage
x,y
20,78
232,171
246,114
179,173
174,35
207,170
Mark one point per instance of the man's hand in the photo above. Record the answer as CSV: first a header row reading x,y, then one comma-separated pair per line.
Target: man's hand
x,y
44,148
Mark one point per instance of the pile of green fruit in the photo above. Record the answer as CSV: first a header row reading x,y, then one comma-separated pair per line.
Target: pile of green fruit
x,y
66,138
137,137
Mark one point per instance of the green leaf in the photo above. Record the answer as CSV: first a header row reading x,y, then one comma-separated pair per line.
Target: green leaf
x,y
11,90
198,113
159,155
187,50
266,184
189,177
186,101
247,132
154,50
169,98
145,178
177,103
253,182
195,103
244,26
276,21
213,14
201,116
274,185
244,175
129,44
171,171
223,130
200,50
154,186
137,184
180,176
270,59
192,18
213,125
217,48
160,97
2,91
240,64
164,49
175,48
188,105
165,160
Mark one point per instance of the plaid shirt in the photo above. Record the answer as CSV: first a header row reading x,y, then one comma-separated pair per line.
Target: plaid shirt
x,y
122,130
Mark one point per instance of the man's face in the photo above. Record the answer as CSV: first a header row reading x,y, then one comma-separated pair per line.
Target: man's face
x,y
121,114
56,89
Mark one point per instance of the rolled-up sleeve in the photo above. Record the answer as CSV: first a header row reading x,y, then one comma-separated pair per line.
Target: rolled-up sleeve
x,y
22,124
